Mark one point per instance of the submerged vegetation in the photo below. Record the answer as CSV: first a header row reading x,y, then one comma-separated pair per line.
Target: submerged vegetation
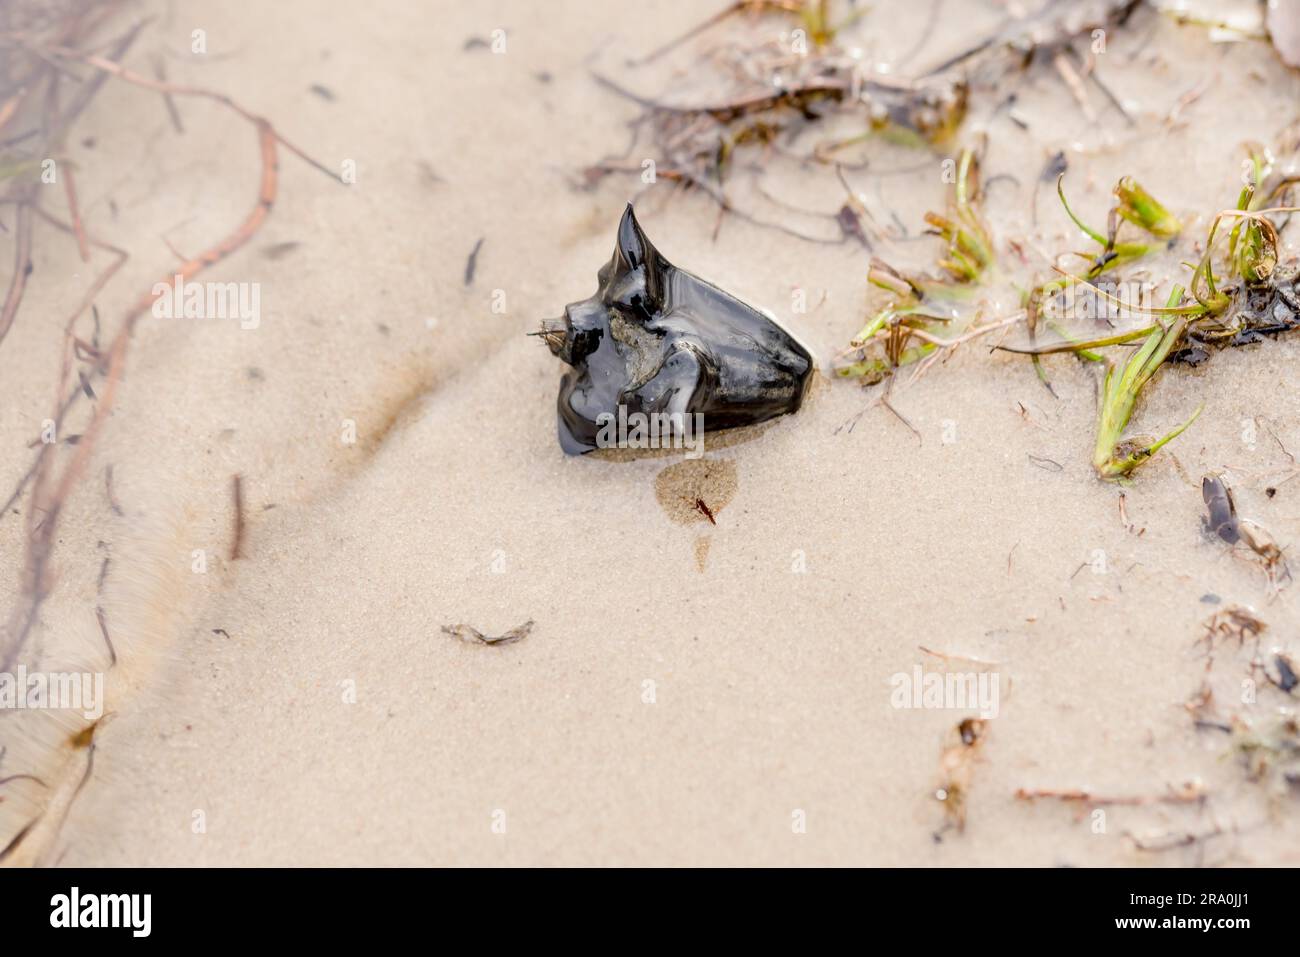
x,y
924,313
1115,456
1226,310
778,88
1237,295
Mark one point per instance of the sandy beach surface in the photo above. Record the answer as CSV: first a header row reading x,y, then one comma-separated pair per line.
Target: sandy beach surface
x,y
690,692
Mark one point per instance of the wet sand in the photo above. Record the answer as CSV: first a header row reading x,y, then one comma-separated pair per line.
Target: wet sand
x,y
691,693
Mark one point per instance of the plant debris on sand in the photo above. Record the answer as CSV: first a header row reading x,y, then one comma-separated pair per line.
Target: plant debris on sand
x,y
925,314
776,89
1257,715
1222,522
956,769
471,634
1239,294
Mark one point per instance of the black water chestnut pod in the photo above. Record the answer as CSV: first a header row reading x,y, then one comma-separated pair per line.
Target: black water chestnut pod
x,y
657,340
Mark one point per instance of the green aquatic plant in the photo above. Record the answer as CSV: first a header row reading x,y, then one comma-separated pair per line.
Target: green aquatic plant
x,y
910,326
1237,294
1114,456
1141,209
1235,298
1134,204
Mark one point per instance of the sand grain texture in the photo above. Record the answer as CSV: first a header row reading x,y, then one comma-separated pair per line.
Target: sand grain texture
x,y
675,702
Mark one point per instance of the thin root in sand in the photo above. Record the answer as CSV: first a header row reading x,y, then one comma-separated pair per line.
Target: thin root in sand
x,y
38,66
50,489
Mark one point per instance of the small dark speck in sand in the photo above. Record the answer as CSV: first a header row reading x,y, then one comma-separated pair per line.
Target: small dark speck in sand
x,y
471,264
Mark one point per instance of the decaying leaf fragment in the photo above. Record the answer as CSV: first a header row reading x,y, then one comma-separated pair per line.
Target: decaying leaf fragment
x,y
469,633
957,767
